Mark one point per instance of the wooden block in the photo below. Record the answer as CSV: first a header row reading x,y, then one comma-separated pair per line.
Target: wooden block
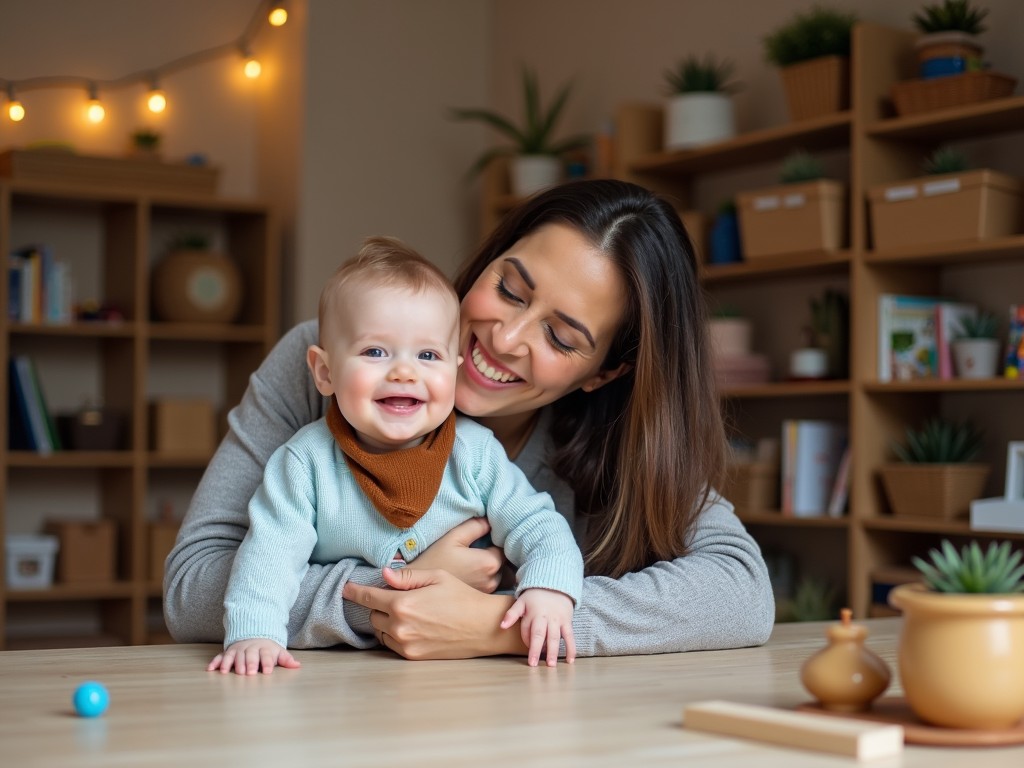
x,y
853,738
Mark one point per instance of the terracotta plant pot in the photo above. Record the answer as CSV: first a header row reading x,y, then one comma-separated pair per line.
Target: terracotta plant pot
x,y
961,657
935,491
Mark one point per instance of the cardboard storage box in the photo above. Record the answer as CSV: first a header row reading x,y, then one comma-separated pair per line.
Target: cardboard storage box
x,y
792,218
182,427
752,486
161,541
944,208
88,550
30,560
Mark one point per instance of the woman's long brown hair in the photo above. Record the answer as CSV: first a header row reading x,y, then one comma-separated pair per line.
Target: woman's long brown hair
x,y
643,452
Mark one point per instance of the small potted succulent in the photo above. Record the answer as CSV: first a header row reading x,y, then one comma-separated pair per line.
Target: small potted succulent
x,y
699,109
936,475
948,44
975,346
805,214
961,645
536,154
145,143
812,51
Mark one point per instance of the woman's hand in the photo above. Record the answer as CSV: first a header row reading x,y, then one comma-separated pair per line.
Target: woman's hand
x,y
434,615
453,552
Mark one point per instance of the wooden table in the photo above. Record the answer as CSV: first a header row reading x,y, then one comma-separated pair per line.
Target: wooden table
x,y
351,708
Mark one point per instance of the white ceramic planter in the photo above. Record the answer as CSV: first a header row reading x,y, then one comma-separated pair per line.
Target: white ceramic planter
x,y
730,336
975,358
532,173
694,119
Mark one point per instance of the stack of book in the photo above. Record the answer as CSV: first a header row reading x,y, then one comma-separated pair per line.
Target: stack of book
x,y
914,333
38,286
815,468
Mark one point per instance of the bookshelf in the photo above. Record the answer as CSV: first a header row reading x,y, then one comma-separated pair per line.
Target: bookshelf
x,y
113,236
869,146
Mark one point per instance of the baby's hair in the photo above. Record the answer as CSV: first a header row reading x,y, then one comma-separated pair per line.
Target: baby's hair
x,y
384,261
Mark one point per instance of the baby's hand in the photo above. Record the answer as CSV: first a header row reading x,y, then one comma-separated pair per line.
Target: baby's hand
x,y
546,617
248,656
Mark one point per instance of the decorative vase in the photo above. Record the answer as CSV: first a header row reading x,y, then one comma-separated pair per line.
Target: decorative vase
x,y
844,676
975,358
725,239
532,173
194,286
961,657
947,53
695,119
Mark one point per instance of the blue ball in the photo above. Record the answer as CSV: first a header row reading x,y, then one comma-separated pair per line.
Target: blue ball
x,y
91,699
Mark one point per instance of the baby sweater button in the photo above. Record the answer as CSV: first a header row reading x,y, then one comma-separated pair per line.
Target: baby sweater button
x,y
410,544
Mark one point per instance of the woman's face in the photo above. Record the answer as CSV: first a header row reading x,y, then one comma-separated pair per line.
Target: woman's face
x,y
538,323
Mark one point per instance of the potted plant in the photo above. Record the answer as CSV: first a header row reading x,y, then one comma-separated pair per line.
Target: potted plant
x,y
813,53
948,43
805,214
699,109
825,352
935,475
536,155
194,283
145,143
975,346
961,645
950,202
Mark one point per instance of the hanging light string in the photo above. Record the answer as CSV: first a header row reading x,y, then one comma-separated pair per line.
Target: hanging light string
x,y
269,11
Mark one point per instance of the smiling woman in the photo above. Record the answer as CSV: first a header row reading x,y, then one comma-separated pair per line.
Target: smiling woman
x,y
583,331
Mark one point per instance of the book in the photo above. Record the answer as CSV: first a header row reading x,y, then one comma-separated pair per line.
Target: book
x,y
812,452
840,486
906,338
948,317
19,437
36,416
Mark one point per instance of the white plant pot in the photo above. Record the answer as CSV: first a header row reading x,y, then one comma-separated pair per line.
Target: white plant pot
x,y
532,173
730,336
694,119
975,358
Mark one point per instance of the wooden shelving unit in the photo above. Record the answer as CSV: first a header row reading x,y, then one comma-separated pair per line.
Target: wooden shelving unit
x,y
113,238
878,148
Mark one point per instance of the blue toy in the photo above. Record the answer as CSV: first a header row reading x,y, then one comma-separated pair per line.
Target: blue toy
x,y
91,699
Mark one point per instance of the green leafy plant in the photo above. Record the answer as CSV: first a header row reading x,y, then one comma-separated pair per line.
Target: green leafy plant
x,y
144,138
940,441
696,75
191,241
810,35
997,570
799,166
535,135
980,326
951,16
813,600
946,159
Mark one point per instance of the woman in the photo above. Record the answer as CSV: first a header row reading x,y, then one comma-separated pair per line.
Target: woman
x,y
583,332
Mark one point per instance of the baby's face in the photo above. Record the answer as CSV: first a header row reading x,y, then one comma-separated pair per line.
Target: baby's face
x,y
393,359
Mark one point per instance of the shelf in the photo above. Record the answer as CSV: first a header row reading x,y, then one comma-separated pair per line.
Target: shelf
x,y
779,520
119,330
99,591
936,526
156,460
944,385
781,389
220,332
788,265
763,146
966,122
72,459
970,251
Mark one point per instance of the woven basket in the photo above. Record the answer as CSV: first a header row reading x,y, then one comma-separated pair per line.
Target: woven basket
x,y
911,97
817,87
752,487
942,491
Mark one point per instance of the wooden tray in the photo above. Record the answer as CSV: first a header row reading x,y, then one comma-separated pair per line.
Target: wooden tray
x,y
895,710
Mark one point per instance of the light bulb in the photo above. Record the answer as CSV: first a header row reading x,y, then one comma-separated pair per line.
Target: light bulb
x,y
94,111
277,16
15,111
157,101
252,68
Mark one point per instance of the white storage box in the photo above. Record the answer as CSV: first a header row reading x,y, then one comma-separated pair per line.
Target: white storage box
x,y
30,560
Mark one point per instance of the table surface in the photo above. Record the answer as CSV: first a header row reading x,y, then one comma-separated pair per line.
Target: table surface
x,y
346,707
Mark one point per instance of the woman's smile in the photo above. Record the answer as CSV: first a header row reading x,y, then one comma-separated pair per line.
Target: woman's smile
x,y
487,366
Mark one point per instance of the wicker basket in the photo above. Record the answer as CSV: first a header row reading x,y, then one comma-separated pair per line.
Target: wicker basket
x,y
942,491
752,487
817,87
911,97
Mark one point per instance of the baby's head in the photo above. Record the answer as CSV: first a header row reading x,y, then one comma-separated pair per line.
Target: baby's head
x,y
389,339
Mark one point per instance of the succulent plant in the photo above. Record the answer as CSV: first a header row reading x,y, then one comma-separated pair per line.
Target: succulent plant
x,y
946,159
996,571
940,442
950,16
799,166
814,33
695,75
980,326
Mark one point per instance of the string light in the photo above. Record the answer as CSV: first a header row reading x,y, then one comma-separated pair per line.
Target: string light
x,y
278,15
268,11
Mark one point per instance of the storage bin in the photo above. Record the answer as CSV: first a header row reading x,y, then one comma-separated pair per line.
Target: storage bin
x,y
944,208
88,550
182,427
792,218
752,486
30,560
